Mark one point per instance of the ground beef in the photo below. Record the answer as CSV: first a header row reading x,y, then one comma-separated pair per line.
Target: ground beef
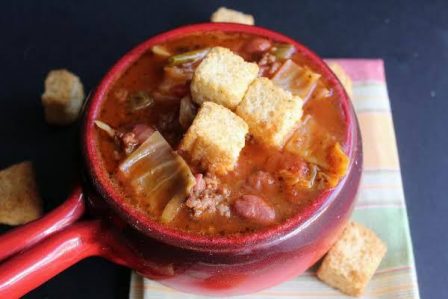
x,y
209,196
130,142
121,94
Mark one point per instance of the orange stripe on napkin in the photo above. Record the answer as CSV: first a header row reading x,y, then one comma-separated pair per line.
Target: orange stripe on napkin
x,y
378,140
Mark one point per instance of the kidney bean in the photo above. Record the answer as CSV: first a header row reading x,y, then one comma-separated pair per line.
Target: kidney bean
x,y
254,208
258,45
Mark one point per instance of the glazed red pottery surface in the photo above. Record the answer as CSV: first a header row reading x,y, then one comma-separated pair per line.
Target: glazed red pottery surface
x,y
219,265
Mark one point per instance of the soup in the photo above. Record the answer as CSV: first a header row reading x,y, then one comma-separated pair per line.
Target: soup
x,y
154,109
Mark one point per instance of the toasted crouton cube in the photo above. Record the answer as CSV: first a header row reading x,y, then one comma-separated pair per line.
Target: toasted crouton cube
x,y
19,198
215,138
63,97
270,111
343,77
353,259
232,16
222,77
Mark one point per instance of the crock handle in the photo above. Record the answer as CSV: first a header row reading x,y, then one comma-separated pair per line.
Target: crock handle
x,y
29,269
27,235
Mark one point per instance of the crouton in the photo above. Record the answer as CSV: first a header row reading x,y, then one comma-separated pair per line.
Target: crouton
x,y
231,16
343,77
222,77
63,97
19,198
270,111
215,138
353,259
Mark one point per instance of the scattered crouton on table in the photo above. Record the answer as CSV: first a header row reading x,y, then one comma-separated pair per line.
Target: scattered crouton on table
x,y
63,97
232,16
19,198
353,259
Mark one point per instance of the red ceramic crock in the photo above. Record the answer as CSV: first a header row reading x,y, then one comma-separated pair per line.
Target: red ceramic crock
x,y
219,265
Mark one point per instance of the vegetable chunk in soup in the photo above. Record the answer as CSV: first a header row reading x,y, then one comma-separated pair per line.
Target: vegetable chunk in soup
x,y
151,115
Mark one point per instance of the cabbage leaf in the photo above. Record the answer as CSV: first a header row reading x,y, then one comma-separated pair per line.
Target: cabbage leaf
x,y
158,173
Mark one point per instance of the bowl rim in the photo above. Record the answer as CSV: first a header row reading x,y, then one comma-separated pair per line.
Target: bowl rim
x,y
150,227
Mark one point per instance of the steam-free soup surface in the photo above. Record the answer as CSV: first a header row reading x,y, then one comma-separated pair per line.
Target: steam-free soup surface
x,y
278,183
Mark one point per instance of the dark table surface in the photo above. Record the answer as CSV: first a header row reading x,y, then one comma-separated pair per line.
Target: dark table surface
x,y
87,37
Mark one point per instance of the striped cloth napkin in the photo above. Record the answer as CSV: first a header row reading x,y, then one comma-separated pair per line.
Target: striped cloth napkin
x,y
380,206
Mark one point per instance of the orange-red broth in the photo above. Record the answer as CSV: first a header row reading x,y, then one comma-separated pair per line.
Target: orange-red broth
x,y
147,73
